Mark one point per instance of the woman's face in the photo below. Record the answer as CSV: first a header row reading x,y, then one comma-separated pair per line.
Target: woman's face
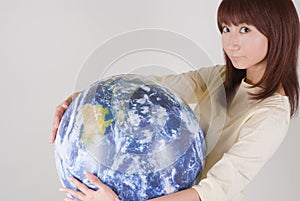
x,y
245,46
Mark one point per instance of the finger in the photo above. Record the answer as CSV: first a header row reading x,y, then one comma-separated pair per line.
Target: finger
x,y
74,193
60,110
82,187
69,100
54,129
94,180
75,94
66,102
55,126
68,199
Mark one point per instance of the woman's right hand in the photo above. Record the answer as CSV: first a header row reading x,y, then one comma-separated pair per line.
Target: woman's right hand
x,y
60,110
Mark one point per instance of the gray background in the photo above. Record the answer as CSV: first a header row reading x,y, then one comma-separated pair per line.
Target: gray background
x,y
43,45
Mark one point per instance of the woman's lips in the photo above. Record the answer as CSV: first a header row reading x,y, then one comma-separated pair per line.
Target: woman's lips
x,y
234,58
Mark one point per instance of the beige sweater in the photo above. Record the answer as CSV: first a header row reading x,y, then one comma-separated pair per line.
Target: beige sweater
x,y
240,137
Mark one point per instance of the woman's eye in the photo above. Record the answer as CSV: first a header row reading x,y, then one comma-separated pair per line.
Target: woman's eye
x,y
225,29
244,30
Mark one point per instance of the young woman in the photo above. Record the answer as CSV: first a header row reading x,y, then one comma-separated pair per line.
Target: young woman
x,y
260,41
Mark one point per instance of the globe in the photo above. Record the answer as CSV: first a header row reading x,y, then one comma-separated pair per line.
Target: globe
x,y
137,137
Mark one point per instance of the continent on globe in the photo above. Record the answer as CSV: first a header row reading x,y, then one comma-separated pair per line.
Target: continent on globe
x,y
139,138
94,122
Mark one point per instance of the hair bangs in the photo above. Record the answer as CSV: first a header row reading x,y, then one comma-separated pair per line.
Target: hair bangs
x,y
234,12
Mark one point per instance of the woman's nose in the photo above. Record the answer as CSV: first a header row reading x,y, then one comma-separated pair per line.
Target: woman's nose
x,y
232,42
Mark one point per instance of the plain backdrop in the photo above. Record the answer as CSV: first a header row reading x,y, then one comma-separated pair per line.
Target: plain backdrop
x,y
43,45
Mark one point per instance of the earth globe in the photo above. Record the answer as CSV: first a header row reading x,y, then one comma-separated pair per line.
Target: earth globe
x,y
137,137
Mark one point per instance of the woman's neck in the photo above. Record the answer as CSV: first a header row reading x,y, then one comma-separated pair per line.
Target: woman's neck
x,y
255,73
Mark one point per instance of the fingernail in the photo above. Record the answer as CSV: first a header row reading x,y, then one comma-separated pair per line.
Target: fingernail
x,y
61,189
87,174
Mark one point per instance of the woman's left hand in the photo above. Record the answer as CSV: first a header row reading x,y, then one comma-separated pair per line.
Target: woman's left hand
x,y
104,193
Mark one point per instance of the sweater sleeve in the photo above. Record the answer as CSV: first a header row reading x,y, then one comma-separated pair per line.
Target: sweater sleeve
x,y
258,139
192,85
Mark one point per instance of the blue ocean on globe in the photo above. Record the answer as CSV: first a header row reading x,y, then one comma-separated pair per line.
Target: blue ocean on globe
x,y
137,137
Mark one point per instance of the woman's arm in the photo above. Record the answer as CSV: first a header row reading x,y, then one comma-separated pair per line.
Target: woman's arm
x,y
258,139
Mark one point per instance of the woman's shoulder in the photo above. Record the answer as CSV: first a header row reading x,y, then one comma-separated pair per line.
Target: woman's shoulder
x,y
277,100
276,106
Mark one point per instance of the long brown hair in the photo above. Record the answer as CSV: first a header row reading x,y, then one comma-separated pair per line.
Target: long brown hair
x,y
279,22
